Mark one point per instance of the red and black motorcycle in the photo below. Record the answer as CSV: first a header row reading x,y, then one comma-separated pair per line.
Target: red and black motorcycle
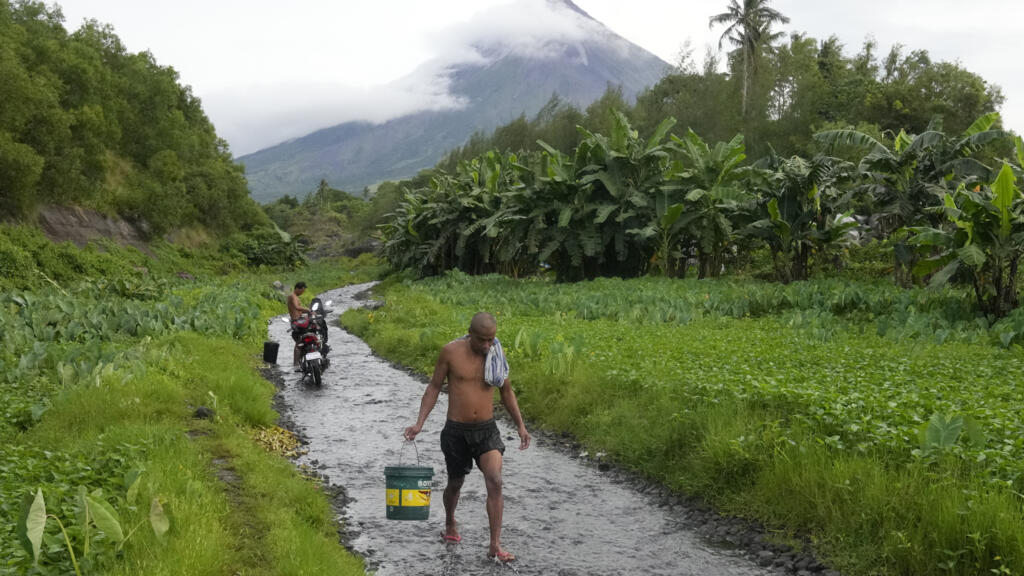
x,y
310,335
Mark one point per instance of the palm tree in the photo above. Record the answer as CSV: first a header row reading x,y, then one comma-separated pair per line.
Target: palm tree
x,y
749,24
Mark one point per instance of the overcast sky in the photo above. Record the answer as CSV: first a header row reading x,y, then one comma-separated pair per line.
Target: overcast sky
x,y
269,70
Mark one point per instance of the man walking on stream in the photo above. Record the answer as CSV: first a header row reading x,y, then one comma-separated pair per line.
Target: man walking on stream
x,y
473,366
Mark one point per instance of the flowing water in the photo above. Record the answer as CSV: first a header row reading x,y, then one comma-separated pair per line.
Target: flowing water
x,y
562,516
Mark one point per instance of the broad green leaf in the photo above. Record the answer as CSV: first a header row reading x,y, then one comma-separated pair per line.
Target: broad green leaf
x,y
672,214
603,212
105,518
971,255
975,433
32,523
131,483
945,274
836,138
158,519
926,266
659,133
1006,338
696,194
902,141
548,148
942,432
773,209
925,236
950,208
1006,193
84,518
982,123
564,217
1019,145
611,184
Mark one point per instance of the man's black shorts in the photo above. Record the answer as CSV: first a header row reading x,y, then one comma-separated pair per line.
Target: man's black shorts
x,y
463,443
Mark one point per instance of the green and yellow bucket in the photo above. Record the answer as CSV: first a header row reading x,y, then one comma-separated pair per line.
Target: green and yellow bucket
x,y
408,491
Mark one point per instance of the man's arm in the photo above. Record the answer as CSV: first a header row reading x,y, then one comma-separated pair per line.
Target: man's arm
x,y
430,394
508,399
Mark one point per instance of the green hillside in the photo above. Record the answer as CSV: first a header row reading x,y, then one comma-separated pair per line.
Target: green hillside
x,y
86,122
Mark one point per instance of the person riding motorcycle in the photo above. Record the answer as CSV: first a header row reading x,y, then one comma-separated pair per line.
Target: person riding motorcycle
x,y
296,310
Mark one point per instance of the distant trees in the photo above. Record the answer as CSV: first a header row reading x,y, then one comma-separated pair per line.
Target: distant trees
x,y
85,122
749,28
802,85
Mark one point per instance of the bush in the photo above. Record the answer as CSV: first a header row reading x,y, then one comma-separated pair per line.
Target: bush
x,y
268,247
17,268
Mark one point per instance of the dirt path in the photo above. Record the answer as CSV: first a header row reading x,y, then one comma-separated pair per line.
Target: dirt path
x,y
563,516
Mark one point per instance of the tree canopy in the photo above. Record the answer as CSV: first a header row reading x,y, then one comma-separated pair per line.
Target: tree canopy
x,y
85,122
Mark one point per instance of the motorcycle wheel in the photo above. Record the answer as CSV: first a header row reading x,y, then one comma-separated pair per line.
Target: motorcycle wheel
x,y
314,371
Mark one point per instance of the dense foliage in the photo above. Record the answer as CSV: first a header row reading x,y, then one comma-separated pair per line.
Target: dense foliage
x,y
331,222
86,122
882,422
624,206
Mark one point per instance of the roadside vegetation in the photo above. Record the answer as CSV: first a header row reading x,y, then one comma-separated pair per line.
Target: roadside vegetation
x,y
105,356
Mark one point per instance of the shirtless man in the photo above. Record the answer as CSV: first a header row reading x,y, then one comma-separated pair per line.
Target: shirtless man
x,y
470,432
296,310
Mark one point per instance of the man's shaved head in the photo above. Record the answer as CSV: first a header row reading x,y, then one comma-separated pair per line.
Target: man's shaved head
x,y
483,323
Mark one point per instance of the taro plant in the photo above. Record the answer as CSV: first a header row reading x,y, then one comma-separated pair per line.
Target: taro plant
x,y
93,511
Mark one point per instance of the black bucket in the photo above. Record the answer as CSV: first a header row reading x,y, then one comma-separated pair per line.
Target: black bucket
x,y
270,352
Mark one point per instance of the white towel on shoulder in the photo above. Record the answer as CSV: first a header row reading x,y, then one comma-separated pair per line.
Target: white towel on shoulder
x,y
496,366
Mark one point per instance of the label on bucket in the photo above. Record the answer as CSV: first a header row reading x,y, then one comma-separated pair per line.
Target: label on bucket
x,y
398,497
415,497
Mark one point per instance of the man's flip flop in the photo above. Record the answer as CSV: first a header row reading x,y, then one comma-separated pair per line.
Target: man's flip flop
x,y
451,539
502,557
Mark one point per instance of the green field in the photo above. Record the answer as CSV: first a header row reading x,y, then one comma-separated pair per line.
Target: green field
x,y
884,425
105,354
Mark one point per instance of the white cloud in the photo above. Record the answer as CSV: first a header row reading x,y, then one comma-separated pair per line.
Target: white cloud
x,y
254,117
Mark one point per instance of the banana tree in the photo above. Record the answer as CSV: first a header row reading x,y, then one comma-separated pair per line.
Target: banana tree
x,y
910,179
801,211
666,232
624,172
712,182
984,242
562,231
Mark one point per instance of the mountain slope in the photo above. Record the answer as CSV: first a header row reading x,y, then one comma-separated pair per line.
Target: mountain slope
x,y
508,80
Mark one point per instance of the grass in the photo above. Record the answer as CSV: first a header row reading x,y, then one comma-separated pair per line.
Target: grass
x,y
270,520
100,379
810,428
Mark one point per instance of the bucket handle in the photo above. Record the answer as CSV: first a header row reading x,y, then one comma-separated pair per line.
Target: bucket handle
x,y
402,451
